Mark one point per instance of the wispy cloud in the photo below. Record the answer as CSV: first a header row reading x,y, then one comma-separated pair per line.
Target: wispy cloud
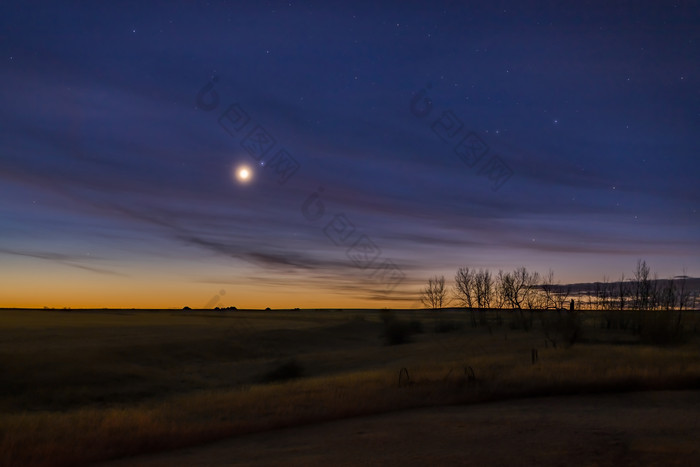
x,y
73,261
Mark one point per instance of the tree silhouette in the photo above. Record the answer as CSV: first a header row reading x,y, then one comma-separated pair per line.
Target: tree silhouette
x,y
435,294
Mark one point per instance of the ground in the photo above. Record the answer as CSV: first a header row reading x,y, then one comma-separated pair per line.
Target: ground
x,y
321,386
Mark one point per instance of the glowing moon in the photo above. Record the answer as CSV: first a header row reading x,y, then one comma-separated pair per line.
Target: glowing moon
x,y
243,174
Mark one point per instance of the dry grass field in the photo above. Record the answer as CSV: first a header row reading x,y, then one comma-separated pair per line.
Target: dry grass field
x,y
80,387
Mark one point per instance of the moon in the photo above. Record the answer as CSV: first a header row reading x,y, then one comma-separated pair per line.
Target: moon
x,y
243,174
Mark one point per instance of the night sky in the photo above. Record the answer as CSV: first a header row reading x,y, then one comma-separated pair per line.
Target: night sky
x,y
386,142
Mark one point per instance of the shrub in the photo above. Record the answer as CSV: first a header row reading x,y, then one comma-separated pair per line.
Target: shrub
x,y
291,369
415,327
569,327
520,321
616,319
564,326
447,326
661,328
395,331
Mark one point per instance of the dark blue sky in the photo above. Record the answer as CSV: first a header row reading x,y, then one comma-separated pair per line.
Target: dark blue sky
x,y
554,136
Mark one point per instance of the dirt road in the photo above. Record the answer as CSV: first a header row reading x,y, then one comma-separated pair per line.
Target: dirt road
x,y
651,428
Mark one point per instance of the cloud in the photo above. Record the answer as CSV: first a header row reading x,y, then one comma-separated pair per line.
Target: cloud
x,y
67,260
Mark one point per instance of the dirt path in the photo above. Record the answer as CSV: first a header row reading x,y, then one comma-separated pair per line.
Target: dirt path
x,y
654,428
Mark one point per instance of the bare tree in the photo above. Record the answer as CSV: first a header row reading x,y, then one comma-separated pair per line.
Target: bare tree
x,y
611,295
553,295
483,283
498,290
642,285
508,290
549,290
562,296
622,291
667,295
516,288
532,282
465,287
683,291
604,292
679,294
654,293
435,294
521,286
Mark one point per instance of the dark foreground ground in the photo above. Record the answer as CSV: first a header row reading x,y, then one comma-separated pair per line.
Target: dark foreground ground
x,y
650,428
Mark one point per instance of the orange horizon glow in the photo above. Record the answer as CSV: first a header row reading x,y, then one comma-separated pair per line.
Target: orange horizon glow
x,y
174,284
76,289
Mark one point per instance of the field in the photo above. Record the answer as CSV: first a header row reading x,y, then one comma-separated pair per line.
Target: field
x,y
80,387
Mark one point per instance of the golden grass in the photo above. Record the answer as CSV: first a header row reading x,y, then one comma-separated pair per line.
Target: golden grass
x,y
117,388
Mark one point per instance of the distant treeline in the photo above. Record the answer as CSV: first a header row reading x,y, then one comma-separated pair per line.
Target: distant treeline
x,y
521,288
